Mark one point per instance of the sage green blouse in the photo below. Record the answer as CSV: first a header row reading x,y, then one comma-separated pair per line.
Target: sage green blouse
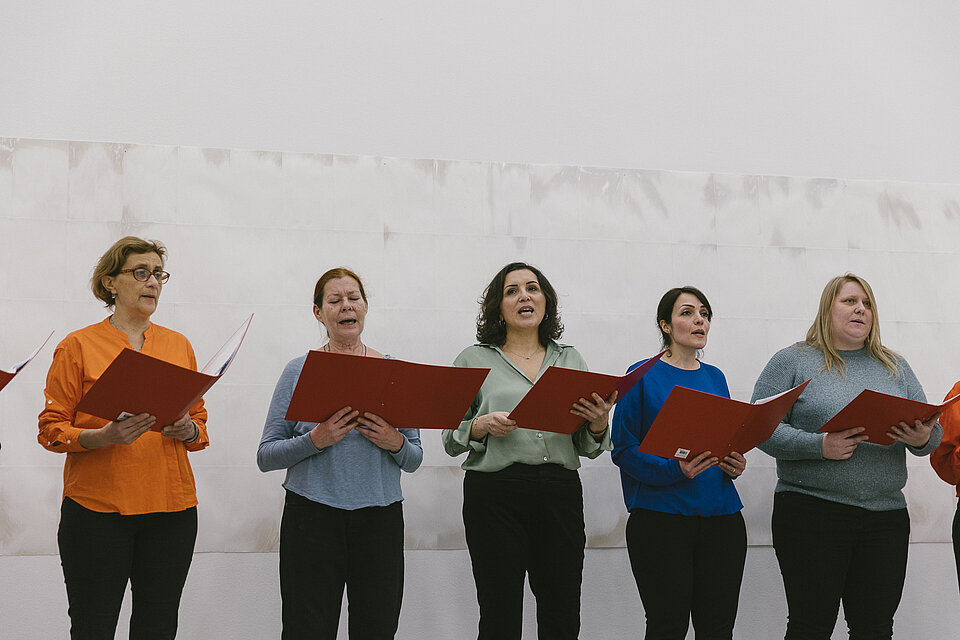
x,y
503,389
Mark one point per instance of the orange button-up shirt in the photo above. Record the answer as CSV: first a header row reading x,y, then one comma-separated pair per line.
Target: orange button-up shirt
x,y
946,458
150,475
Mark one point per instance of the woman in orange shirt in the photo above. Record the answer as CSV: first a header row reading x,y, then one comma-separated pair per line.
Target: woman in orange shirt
x,y
946,461
129,499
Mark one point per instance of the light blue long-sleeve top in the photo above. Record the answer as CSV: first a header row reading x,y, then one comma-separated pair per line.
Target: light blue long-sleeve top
x,y
351,474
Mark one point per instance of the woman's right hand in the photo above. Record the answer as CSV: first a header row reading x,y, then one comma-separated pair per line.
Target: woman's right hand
x,y
125,431
496,424
697,464
333,429
840,445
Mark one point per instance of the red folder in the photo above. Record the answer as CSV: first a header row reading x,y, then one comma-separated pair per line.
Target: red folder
x,y
878,412
137,383
405,394
691,422
546,407
6,375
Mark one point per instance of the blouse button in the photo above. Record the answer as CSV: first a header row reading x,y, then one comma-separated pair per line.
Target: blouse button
x,y
544,458
49,401
539,435
68,442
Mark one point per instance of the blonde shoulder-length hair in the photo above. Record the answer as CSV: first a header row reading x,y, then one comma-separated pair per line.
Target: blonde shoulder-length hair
x,y
820,334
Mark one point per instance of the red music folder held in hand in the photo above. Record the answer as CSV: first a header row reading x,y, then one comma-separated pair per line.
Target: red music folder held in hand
x,y
405,394
136,383
546,407
878,412
6,375
691,422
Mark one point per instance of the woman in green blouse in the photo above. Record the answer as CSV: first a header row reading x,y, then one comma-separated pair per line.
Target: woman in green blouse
x,y
522,499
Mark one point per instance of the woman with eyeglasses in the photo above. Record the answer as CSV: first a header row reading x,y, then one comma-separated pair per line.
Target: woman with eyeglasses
x,y
945,460
129,501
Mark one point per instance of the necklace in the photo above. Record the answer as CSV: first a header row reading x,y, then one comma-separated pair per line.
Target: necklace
x,y
130,338
520,355
328,349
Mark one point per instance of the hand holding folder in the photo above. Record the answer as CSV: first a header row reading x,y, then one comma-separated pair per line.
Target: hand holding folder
x,y
405,394
6,375
691,422
879,412
136,383
546,407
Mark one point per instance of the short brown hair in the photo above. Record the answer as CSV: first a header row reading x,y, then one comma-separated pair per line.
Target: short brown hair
x,y
333,274
112,262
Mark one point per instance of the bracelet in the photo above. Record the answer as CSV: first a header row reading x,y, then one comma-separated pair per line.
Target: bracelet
x,y
597,433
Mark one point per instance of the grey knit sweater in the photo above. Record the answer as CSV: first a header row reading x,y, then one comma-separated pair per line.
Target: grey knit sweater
x,y
874,475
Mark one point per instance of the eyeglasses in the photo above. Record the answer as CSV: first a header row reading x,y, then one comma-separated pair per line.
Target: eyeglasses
x,y
142,275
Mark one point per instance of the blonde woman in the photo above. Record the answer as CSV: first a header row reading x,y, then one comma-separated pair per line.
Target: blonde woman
x,y
840,524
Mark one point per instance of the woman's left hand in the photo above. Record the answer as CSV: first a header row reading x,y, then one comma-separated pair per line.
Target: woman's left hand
x,y
183,429
734,464
380,432
596,412
916,436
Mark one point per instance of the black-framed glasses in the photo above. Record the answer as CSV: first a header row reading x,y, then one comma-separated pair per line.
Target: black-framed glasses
x,y
142,274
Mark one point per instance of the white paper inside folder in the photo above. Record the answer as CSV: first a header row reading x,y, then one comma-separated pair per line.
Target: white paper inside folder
x,y
221,360
15,368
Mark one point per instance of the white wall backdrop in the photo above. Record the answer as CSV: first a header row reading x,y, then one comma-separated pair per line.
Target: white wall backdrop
x,y
857,89
251,231
849,88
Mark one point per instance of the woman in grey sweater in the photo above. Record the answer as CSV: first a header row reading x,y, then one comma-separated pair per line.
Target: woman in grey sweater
x,y
840,524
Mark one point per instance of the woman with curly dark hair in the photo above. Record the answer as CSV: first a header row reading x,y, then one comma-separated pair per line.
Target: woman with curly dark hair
x,y
522,498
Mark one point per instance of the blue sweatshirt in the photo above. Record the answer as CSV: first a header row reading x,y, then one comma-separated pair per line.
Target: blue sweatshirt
x,y
655,483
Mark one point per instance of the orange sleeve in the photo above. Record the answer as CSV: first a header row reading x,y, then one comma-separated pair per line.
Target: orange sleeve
x,y
945,460
62,393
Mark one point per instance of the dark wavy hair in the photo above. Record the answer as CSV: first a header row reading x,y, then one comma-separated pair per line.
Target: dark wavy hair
x,y
665,309
490,326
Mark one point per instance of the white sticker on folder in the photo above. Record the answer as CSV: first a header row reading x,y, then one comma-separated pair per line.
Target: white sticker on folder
x,y
682,454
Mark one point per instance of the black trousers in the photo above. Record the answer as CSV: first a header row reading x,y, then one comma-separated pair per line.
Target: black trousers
x,y
830,552
956,539
100,552
321,550
687,566
526,519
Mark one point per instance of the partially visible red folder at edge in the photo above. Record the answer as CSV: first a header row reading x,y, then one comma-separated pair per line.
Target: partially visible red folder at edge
x,y
405,394
546,407
878,412
137,383
691,422
6,375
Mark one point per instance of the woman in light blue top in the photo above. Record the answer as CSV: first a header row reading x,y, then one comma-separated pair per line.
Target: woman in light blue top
x,y
342,518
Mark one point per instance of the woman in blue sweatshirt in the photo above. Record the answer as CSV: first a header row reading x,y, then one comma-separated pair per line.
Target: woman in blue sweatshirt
x,y
685,535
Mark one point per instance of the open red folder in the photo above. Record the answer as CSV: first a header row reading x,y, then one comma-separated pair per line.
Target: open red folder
x,y
546,407
137,383
405,394
691,422
6,375
878,412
